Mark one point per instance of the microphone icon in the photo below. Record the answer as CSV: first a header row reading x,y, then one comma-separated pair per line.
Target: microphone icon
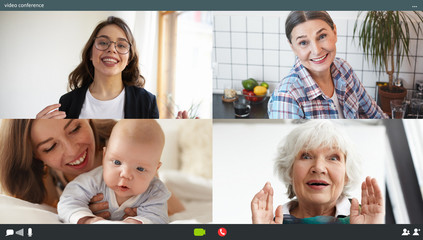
x,y
29,232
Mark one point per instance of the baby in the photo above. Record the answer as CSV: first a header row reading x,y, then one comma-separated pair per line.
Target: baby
x,y
126,179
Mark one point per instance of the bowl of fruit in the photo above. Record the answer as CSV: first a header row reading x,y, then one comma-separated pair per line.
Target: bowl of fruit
x,y
254,91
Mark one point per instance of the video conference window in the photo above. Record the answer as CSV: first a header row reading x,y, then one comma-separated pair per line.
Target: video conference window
x,y
253,118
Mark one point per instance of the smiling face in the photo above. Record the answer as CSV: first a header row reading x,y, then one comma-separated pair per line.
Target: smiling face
x,y
130,166
64,145
319,176
314,42
109,63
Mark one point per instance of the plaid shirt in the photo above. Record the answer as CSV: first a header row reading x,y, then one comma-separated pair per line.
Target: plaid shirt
x,y
299,96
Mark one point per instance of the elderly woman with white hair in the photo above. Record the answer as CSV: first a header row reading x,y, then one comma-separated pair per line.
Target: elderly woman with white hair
x,y
318,165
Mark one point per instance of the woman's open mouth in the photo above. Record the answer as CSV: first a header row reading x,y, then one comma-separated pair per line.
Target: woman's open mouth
x,y
317,184
79,162
110,61
320,59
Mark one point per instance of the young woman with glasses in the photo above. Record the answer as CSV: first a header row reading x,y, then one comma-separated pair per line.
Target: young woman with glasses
x,y
107,83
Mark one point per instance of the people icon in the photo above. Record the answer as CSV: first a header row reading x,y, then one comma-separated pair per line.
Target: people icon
x,y
416,232
405,232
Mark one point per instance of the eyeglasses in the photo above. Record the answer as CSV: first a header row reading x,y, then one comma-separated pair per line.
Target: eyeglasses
x,y
103,43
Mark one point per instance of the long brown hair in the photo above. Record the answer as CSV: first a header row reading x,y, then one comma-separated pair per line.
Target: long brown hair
x,y
21,174
84,72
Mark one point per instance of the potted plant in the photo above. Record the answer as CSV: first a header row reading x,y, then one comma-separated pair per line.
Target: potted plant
x,y
384,37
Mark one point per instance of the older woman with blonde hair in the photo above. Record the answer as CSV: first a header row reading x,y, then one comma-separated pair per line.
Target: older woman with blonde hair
x,y
319,166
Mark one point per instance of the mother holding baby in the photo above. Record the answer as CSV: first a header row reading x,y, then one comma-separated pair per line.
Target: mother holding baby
x,y
39,157
319,168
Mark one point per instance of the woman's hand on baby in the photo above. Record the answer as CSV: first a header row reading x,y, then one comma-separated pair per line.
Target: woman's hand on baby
x,y
262,207
97,207
372,204
51,112
129,212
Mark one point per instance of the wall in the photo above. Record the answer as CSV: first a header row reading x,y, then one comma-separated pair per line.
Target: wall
x,y
254,44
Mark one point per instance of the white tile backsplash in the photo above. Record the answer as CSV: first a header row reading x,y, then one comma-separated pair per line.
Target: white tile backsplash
x,y
271,74
239,56
255,72
413,47
284,43
371,91
255,40
224,83
383,77
271,24
255,57
239,71
282,25
413,34
419,65
223,55
341,55
341,27
239,40
353,45
408,80
256,46
223,39
367,65
284,71
359,75
221,23
271,58
408,66
237,85
419,77
224,71
355,60
341,44
287,58
369,78
271,41
420,47
255,24
238,23
351,23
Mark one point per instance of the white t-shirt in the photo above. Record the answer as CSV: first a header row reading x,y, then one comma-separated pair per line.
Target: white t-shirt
x,y
338,107
110,109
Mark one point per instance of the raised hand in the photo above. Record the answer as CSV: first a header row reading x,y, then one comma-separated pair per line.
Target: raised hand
x,y
262,207
372,204
51,112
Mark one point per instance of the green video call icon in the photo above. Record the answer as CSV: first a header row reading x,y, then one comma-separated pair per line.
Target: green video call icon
x,y
198,232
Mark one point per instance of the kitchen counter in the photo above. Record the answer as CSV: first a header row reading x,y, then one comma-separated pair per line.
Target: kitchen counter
x,y
226,110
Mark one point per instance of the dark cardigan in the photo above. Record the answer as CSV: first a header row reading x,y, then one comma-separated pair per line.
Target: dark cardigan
x,y
139,103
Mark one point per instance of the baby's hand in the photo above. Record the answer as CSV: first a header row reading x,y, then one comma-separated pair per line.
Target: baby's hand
x,y
132,221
